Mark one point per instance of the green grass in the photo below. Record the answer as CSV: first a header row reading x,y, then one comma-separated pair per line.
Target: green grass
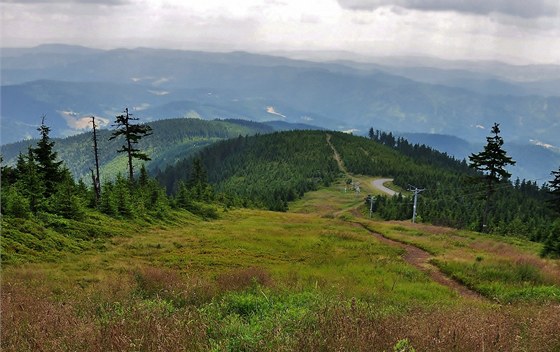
x,y
504,282
504,269
308,279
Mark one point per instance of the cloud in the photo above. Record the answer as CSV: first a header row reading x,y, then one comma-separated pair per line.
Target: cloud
x,y
517,8
512,31
545,145
73,2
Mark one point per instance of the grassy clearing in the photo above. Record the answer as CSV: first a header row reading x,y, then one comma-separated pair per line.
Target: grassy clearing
x,y
328,202
504,269
158,309
302,250
264,281
249,281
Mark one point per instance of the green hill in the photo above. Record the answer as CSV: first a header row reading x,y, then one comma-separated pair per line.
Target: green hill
x,y
272,170
322,276
171,141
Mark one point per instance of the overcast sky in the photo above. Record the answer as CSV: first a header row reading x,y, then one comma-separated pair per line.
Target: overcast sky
x,y
516,31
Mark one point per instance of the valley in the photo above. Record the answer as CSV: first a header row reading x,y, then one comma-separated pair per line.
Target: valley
x,y
426,97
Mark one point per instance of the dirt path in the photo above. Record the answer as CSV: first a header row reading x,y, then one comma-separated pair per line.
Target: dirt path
x,y
419,258
336,155
415,256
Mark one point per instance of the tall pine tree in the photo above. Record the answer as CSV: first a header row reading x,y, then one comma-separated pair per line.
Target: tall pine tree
x,y
555,190
50,170
132,134
491,162
95,177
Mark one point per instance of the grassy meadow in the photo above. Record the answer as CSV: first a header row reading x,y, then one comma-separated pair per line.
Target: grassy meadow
x,y
311,279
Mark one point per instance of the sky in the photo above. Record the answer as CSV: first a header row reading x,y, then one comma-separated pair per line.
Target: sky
x,y
513,31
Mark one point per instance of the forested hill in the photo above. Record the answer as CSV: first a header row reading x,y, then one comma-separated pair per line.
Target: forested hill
x,y
276,168
171,140
271,170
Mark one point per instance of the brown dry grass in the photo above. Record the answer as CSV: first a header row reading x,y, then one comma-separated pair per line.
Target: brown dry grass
x,y
36,319
432,229
550,269
240,279
345,328
137,311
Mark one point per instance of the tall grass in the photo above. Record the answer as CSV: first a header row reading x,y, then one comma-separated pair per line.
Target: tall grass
x,y
501,269
140,311
263,281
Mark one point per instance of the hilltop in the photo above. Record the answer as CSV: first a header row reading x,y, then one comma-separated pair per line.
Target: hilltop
x,y
275,169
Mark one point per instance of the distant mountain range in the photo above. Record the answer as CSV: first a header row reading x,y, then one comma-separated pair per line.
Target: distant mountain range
x,y
533,161
410,95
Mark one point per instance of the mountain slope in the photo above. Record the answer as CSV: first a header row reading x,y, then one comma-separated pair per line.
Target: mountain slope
x,y
272,170
171,140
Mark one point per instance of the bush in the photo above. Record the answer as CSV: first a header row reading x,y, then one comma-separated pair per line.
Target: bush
x,y
206,211
403,346
14,203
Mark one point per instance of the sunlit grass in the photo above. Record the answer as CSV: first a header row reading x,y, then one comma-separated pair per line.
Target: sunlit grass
x,y
504,269
308,279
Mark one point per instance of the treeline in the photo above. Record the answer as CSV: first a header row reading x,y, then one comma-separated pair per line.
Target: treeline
x,y
263,170
172,140
268,171
419,152
41,184
451,195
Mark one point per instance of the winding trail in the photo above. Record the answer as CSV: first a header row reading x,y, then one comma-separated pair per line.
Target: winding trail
x,y
413,255
420,259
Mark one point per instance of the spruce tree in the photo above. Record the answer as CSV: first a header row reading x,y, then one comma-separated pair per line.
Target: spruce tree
x,y
144,178
123,197
108,203
198,182
30,184
66,201
182,199
555,191
491,163
132,134
50,170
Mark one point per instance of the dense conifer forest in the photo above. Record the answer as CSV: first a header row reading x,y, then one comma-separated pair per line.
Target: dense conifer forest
x,y
271,170
264,170
452,196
